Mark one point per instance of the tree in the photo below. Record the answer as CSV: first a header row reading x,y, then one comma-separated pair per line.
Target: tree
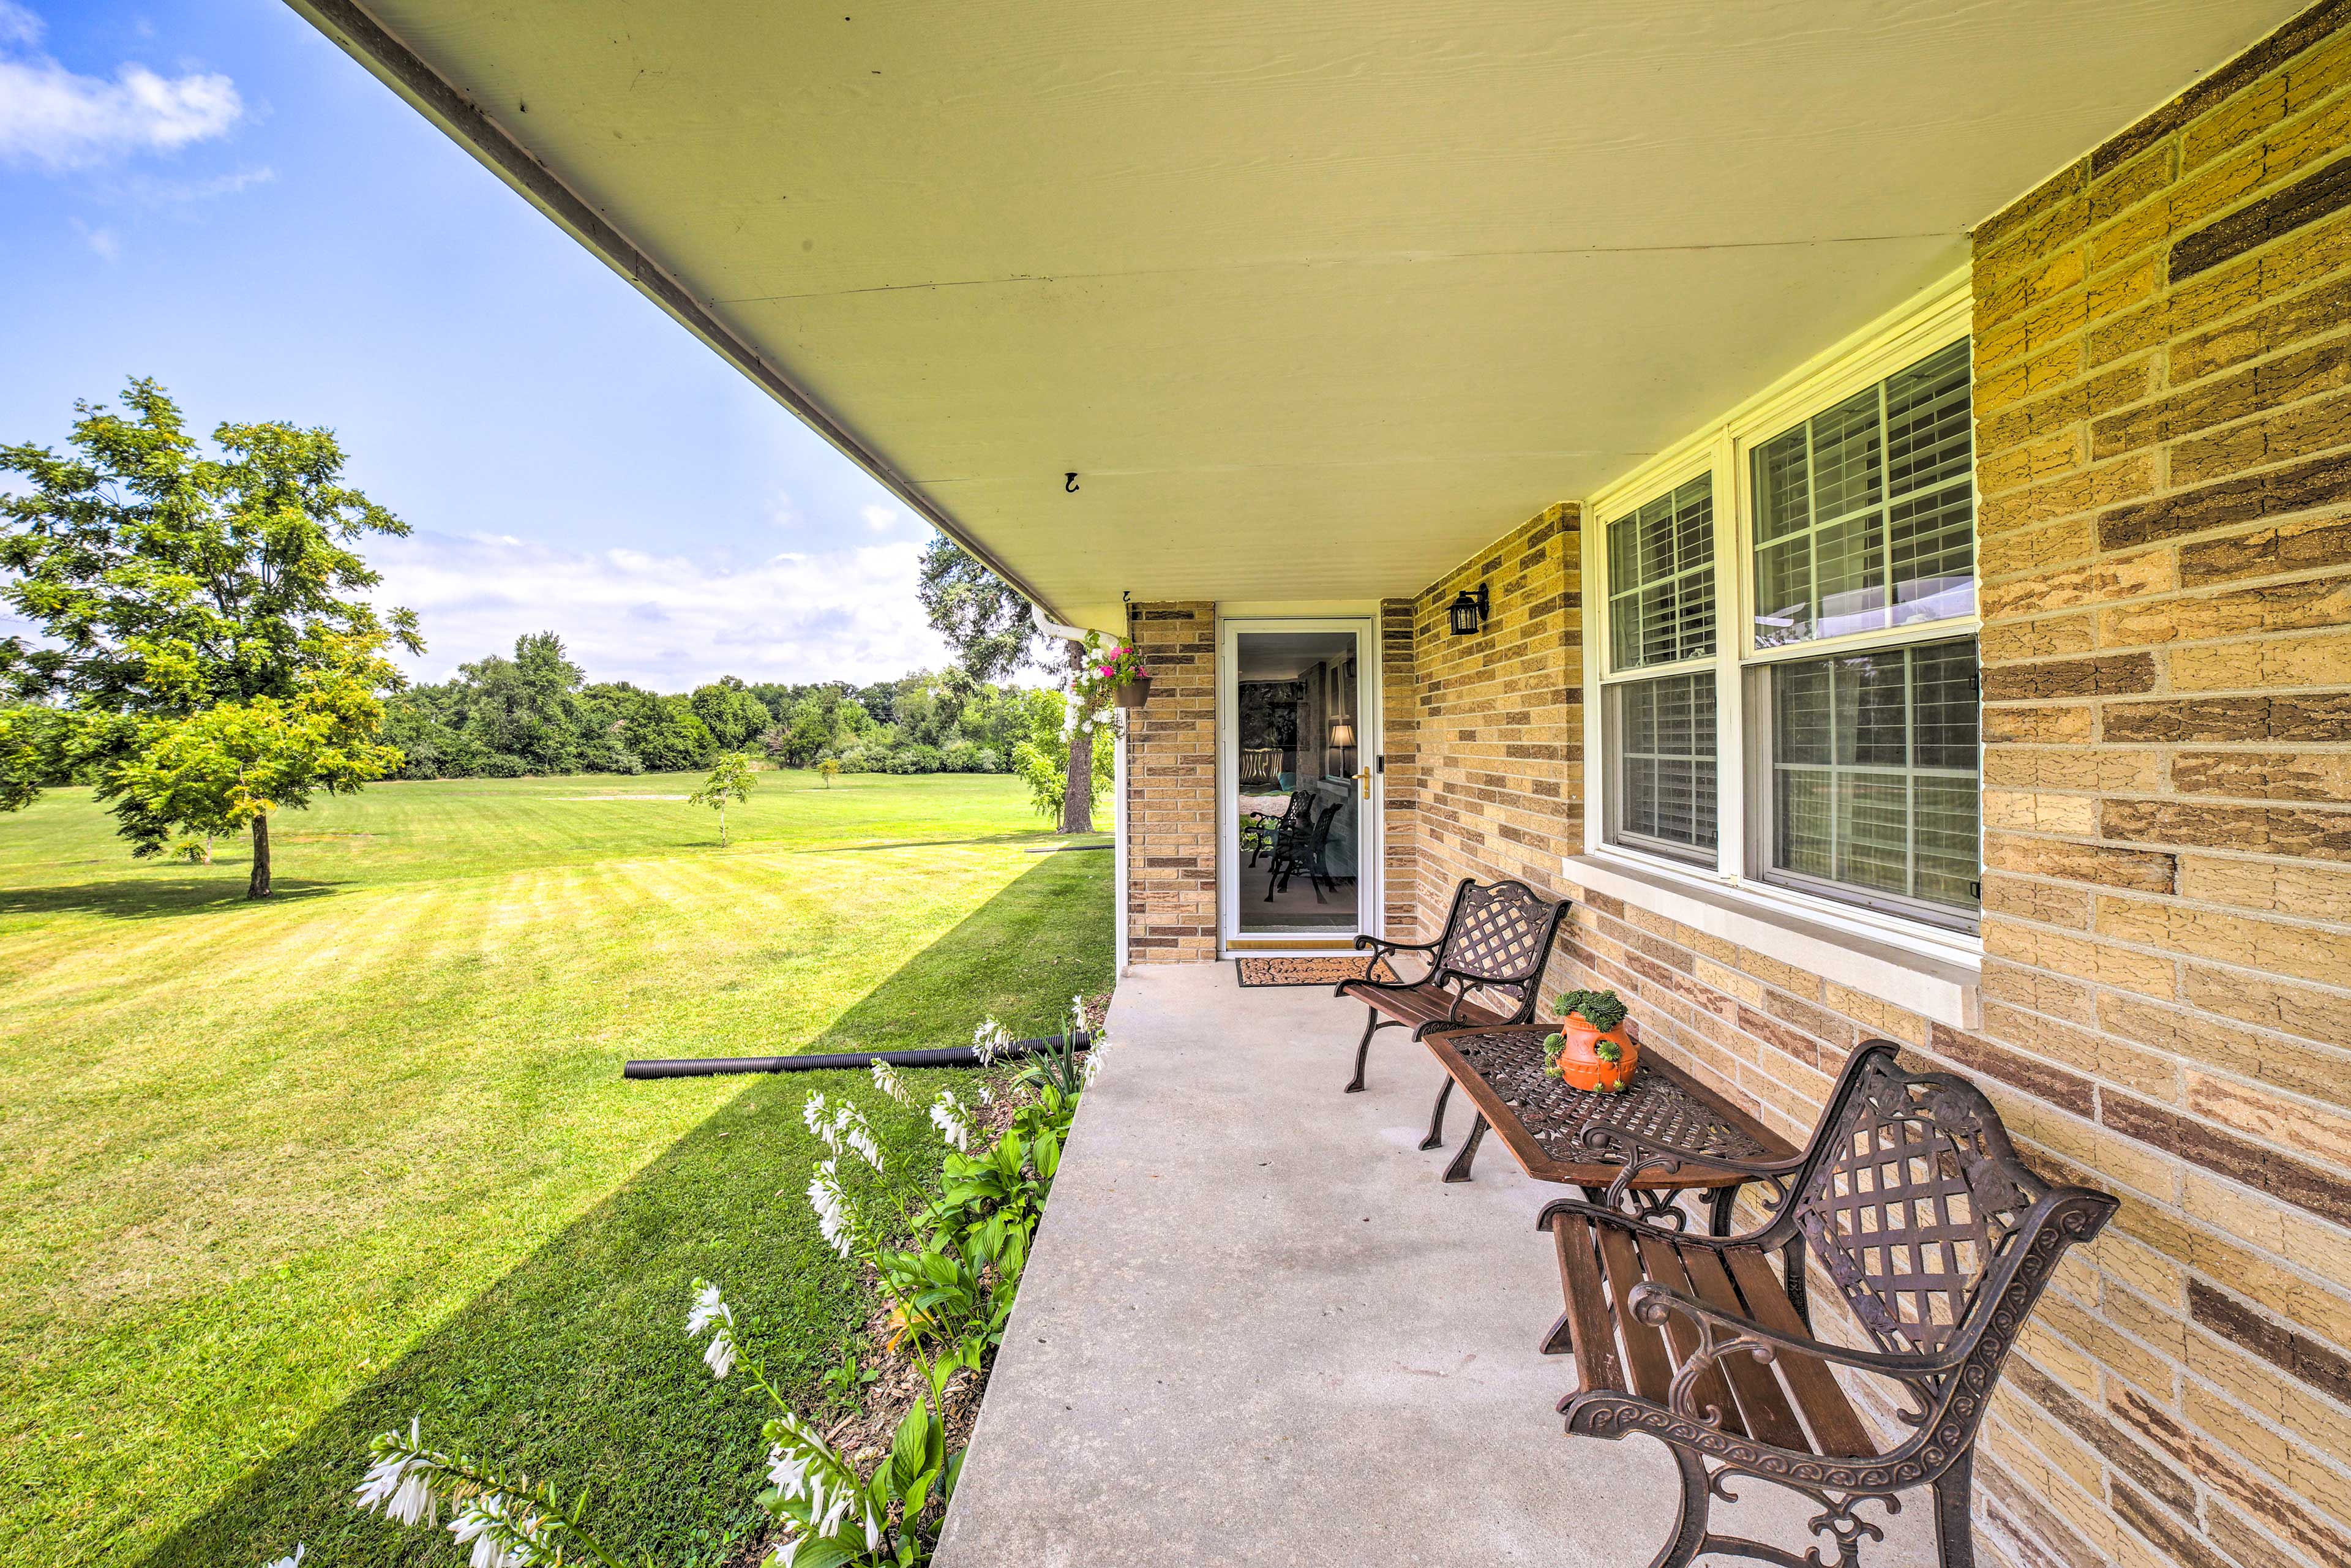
x,y
730,780
205,635
826,769
730,711
993,633
526,708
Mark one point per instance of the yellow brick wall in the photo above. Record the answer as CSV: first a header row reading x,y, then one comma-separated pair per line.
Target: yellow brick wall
x,y
1497,773
1171,762
2163,405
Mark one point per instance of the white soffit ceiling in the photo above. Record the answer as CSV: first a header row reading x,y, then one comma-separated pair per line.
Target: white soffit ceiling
x,y
1317,299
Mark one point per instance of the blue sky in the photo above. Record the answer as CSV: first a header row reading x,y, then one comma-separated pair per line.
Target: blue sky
x,y
215,196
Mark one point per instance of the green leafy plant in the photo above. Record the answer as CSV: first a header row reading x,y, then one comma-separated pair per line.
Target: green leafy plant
x,y
730,780
828,769
1603,1010
845,1381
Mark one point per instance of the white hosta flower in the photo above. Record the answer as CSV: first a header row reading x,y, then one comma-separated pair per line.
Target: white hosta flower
x,y
399,1483
501,1535
832,1217
1077,1018
709,1307
989,1040
295,1559
819,1117
987,1096
952,1120
787,1472
887,1079
849,1126
720,1354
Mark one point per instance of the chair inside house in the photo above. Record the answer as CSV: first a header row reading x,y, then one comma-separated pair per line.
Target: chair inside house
x,y
1940,1240
1496,944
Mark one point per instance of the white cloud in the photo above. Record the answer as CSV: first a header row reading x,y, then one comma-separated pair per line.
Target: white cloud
x,y
880,519
154,192
59,119
669,622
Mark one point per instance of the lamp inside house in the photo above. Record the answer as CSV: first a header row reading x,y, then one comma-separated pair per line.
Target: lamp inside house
x,y
1469,611
1343,734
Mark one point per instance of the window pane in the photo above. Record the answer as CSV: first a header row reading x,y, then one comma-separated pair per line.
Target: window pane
x,y
1864,515
1661,579
1875,772
1664,743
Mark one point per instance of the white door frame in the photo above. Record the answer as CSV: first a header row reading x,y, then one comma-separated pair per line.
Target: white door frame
x,y
1371,864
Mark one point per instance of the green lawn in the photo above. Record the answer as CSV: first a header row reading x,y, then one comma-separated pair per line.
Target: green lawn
x,y
276,1177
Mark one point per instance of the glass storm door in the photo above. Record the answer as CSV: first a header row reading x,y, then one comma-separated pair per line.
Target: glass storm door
x,y
1298,783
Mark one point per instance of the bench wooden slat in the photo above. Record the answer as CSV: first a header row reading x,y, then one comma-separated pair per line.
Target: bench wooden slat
x,y
1645,1349
1596,1363
1836,1428
1665,1267
1760,1400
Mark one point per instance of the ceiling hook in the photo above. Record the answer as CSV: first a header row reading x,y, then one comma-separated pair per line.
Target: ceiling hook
x,y
1070,483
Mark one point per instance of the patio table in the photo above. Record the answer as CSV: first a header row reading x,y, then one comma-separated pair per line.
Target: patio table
x,y
1542,1121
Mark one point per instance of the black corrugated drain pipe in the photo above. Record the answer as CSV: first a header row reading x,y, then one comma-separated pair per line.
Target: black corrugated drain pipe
x,y
935,1056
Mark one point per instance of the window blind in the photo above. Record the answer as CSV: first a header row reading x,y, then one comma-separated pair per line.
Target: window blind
x,y
1661,579
1664,754
1864,514
1875,772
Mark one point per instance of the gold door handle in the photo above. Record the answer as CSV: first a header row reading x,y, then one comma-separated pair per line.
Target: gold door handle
x,y
1366,777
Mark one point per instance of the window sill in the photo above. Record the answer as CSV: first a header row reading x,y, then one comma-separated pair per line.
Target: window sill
x,y
1933,974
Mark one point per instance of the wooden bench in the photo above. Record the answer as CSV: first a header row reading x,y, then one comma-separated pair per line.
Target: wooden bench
x,y
1938,1237
1497,939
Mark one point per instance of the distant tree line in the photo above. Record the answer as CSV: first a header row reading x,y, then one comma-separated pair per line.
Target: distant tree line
x,y
537,713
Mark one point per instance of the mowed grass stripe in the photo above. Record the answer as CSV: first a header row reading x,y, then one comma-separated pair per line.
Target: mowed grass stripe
x,y
259,1165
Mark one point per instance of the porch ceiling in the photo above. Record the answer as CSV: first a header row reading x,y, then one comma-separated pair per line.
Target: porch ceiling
x,y
1397,274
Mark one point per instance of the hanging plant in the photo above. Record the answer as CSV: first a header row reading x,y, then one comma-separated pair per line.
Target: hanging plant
x,y
1107,675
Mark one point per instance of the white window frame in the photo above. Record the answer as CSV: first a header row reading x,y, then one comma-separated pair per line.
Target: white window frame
x,y
1925,324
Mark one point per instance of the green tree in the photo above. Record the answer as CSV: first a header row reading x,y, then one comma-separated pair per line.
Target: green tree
x,y
730,711
526,708
730,780
828,769
170,585
993,633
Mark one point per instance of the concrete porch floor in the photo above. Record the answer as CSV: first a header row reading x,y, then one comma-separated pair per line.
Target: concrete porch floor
x,y
1258,1329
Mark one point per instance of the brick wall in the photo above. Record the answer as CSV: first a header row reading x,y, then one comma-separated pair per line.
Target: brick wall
x,y
1171,825
2164,451
1499,763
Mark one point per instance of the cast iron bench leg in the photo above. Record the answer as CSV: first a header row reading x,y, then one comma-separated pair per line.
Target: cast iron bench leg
x,y
1459,1169
1363,1049
1435,1139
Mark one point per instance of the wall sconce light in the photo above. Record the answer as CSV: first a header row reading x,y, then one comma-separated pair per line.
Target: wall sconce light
x,y
1469,612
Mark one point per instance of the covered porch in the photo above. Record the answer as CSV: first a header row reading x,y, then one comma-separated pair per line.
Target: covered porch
x,y
1259,1328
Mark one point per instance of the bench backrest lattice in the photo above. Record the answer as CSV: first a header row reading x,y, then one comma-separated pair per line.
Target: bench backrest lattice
x,y
1917,1194
1499,935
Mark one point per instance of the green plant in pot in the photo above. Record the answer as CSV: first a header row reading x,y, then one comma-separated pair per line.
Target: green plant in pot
x,y
1595,1047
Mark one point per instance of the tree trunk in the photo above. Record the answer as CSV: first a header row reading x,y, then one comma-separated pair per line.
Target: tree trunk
x,y
1078,794
259,886
722,825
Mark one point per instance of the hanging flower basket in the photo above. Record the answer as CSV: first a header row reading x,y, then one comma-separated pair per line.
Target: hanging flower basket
x,y
1115,674
1135,694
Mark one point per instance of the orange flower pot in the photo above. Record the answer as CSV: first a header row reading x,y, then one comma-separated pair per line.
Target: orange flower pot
x,y
1579,1066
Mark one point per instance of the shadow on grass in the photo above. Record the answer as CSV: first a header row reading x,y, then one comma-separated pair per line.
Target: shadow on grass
x,y
575,1365
136,897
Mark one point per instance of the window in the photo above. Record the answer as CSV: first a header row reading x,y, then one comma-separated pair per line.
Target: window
x,y
1661,577
1661,593
1873,789
1663,742
1864,514
1845,573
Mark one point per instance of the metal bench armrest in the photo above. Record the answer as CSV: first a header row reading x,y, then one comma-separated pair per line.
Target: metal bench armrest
x,y
1653,1303
1382,941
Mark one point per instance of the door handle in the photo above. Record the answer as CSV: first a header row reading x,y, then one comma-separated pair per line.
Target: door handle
x,y
1366,777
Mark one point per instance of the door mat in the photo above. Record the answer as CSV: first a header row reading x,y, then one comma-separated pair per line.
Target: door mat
x,y
1315,971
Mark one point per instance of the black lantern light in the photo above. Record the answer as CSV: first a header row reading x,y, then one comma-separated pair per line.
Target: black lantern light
x,y
1469,612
